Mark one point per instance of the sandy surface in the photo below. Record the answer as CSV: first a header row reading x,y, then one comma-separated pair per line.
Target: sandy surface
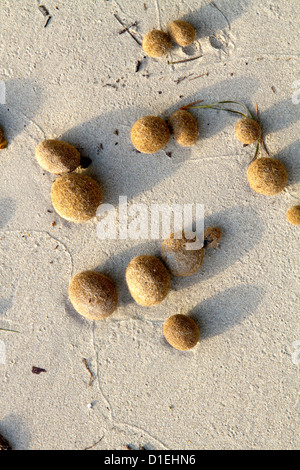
x,y
76,80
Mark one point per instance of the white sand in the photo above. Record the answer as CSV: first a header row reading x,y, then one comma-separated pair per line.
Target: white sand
x,y
238,388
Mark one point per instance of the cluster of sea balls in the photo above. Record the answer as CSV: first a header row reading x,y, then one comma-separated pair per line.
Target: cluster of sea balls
x,y
265,175
94,295
152,133
76,197
157,43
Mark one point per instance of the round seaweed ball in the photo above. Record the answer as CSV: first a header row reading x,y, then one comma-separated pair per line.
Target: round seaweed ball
x,y
181,332
76,197
182,32
293,215
248,131
57,157
180,260
93,295
156,43
212,237
184,127
267,176
148,280
150,134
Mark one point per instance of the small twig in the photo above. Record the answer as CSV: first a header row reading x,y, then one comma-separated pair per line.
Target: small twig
x,y
265,147
44,10
262,139
127,30
191,104
94,445
138,65
10,331
213,3
37,370
89,370
256,152
198,76
180,79
48,21
112,85
185,60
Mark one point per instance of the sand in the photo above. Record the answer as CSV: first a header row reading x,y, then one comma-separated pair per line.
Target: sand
x,y
76,80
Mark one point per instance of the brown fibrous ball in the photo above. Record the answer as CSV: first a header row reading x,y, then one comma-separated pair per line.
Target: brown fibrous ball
x,y
267,176
293,215
180,260
156,43
182,32
181,332
76,197
212,237
93,295
150,134
3,141
57,156
248,131
148,280
184,127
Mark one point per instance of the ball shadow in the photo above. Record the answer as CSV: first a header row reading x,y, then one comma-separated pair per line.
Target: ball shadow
x,y
21,93
226,309
7,210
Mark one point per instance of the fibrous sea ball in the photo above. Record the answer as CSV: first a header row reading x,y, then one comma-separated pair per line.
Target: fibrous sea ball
x,y
182,32
3,141
76,197
57,157
156,43
184,127
212,237
248,131
267,176
181,332
93,295
179,260
148,280
150,134
293,215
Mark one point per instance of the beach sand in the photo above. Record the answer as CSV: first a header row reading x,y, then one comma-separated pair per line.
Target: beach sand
x,y
76,80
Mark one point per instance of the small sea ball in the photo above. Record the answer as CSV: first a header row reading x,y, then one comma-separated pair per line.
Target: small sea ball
x,y
179,260
150,134
182,32
181,332
57,157
293,215
184,127
3,141
148,280
156,43
248,131
93,295
267,176
212,237
76,197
